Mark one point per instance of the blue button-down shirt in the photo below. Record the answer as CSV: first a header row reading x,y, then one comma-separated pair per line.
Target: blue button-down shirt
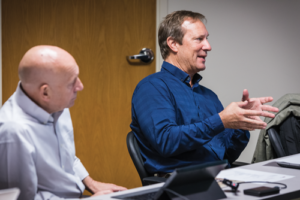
x,y
178,125
37,152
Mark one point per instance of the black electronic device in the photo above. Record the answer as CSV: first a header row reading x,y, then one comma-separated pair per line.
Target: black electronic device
x,y
193,182
288,165
262,191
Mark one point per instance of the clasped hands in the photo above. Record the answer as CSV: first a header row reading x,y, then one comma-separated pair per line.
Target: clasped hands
x,y
246,114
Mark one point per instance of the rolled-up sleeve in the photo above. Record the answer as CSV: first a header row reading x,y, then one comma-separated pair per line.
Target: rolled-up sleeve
x,y
79,169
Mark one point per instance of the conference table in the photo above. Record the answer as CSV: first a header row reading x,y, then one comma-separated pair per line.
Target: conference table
x,y
267,167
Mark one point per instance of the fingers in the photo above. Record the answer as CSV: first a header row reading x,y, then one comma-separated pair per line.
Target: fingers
x,y
265,99
106,191
262,99
235,116
114,188
118,188
258,113
269,108
255,118
245,95
242,104
102,192
251,124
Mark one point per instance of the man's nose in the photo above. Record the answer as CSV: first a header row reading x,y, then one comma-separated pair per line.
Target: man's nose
x,y
79,85
207,46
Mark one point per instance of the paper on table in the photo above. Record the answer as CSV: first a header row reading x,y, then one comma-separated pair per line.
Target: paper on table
x,y
251,175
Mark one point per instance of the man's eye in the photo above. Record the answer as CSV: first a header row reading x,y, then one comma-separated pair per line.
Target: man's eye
x,y
201,39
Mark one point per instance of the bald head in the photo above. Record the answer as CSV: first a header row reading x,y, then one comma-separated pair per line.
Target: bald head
x,y
45,70
41,63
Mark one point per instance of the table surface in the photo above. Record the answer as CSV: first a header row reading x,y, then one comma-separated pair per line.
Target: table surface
x,y
292,190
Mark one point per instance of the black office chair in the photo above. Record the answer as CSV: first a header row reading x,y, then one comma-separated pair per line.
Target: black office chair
x,y
276,142
134,151
288,142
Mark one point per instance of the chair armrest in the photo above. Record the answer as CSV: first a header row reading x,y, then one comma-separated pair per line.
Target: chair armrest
x,y
238,164
153,180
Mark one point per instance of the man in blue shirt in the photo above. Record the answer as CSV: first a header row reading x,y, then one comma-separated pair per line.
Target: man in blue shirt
x,y
178,122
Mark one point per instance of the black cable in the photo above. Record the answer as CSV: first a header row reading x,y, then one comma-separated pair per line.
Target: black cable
x,y
234,186
177,194
285,186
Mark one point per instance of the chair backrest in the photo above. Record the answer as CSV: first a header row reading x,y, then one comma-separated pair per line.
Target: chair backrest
x,y
134,151
285,138
276,142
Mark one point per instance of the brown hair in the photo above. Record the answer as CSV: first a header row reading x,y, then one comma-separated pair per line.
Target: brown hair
x,y
171,27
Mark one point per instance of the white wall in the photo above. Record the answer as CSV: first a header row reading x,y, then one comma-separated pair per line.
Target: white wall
x,y
256,45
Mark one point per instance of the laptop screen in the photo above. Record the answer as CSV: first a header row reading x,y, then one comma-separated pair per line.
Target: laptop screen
x,y
193,182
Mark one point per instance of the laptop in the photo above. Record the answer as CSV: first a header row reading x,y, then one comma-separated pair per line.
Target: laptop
x,y
289,162
9,194
192,182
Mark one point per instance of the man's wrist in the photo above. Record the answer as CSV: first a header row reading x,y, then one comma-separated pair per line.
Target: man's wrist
x,y
223,119
89,183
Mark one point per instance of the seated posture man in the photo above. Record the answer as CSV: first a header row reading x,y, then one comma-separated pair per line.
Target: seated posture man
x,y
37,152
178,122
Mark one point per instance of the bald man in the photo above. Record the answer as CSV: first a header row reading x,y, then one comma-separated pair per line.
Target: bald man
x,y
37,152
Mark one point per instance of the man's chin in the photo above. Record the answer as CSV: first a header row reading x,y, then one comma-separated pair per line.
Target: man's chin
x,y
71,103
201,68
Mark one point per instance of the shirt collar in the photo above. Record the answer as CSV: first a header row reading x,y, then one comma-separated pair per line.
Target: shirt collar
x,y
31,108
178,73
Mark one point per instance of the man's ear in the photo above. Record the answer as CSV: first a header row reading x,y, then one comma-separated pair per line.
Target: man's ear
x,y
173,45
45,92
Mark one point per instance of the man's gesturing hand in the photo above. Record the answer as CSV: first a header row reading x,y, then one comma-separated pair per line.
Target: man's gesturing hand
x,y
257,104
236,117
